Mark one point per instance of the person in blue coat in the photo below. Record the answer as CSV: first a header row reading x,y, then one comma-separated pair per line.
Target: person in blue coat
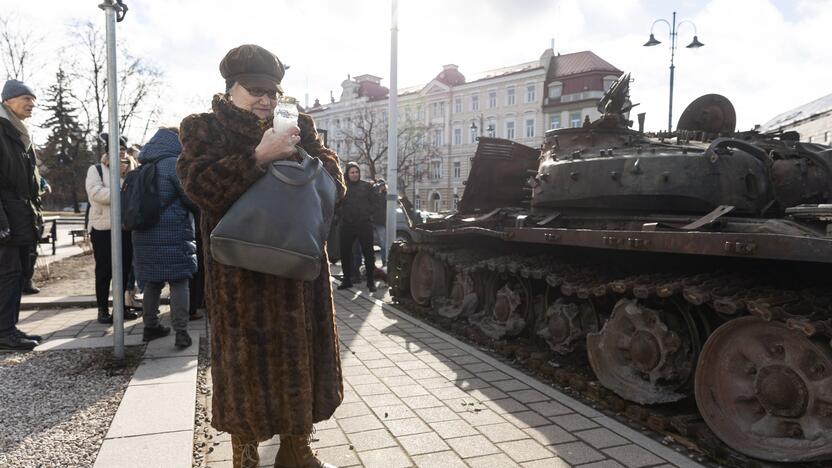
x,y
166,253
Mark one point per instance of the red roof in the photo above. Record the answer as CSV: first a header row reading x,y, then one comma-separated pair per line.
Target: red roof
x,y
580,62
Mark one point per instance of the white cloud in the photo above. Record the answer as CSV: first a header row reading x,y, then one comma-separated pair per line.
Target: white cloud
x,y
764,56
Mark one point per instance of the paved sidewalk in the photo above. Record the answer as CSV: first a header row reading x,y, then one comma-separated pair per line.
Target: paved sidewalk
x,y
418,397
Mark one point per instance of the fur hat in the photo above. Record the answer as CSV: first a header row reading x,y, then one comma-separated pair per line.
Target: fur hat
x,y
253,66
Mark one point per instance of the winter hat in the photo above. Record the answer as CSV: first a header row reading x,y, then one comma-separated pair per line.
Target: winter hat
x,y
15,88
105,140
253,66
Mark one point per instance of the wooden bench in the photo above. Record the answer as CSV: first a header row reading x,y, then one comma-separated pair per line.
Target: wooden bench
x,y
50,232
82,233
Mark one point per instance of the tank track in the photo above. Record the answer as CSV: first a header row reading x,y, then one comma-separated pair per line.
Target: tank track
x,y
727,294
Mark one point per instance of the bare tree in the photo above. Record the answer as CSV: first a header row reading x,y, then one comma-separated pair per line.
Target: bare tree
x,y
91,70
138,90
366,133
139,84
18,46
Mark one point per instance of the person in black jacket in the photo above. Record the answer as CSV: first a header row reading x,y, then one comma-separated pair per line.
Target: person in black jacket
x,y
356,211
20,214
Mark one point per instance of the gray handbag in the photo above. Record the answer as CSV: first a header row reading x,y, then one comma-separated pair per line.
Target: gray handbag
x,y
279,226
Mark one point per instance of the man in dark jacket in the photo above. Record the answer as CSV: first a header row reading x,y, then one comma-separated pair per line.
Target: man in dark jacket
x,y
356,212
19,210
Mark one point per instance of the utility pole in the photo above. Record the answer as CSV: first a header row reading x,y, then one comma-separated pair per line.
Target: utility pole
x,y
112,8
392,132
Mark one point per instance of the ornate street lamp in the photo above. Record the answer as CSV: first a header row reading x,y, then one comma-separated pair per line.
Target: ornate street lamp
x,y
694,44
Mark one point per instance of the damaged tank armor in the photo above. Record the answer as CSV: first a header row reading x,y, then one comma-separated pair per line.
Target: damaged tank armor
x,y
690,265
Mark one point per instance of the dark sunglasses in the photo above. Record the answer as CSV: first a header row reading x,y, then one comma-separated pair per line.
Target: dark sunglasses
x,y
260,92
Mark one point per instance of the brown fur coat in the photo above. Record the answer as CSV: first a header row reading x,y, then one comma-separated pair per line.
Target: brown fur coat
x,y
274,356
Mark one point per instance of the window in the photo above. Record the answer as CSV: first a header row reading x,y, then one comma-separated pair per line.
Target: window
x,y
509,130
529,128
458,105
418,202
456,201
473,135
437,109
554,122
436,170
457,136
608,82
475,103
420,112
575,119
555,89
491,128
436,202
337,146
337,123
492,99
530,93
510,96
457,169
438,139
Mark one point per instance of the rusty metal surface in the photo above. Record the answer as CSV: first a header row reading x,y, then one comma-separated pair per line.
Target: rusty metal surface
x,y
748,245
766,390
640,356
498,175
711,113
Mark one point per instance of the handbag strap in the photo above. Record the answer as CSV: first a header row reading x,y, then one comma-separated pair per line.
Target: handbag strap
x,y
304,165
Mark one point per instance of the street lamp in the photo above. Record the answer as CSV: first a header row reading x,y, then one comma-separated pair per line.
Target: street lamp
x,y
474,128
694,44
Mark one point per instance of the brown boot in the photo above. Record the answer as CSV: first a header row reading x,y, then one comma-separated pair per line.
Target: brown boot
x,y
295,452
244,452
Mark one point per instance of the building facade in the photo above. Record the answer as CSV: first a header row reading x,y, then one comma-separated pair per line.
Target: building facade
x,y
813,121
518,103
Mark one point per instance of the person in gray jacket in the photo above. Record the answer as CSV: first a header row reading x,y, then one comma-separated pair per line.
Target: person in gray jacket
x,y
166,253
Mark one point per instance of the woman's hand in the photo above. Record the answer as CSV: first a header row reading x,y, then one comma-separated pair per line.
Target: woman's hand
x,y
276,146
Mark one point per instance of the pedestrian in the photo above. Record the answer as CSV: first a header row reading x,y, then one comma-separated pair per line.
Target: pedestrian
x,y
98,193
166,252
29,284
196,286
380,217
356,212
274,345
20,213
131,289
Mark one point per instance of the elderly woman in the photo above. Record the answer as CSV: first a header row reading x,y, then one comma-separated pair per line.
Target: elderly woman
x,y
274,356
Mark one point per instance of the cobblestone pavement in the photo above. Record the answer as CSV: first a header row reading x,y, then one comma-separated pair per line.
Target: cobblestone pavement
x,y
63,328
417,397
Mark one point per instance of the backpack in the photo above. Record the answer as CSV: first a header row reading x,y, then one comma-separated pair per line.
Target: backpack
x,y
141,207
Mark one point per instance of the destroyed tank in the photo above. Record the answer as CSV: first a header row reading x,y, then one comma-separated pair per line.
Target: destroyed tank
x,y
688,266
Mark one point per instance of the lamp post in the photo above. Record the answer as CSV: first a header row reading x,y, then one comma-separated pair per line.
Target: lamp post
x,y
474,128
694,44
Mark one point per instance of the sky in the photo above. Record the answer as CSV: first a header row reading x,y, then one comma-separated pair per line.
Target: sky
x,y
766,56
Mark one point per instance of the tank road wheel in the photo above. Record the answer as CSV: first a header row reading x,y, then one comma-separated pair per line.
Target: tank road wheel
x,y
427,278
567,324
766,390
642,354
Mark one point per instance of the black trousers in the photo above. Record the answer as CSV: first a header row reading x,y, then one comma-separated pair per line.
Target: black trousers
x,y
364,234
15,263
102,251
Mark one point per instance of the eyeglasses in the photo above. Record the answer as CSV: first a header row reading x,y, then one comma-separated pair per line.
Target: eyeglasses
x,y
260,92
